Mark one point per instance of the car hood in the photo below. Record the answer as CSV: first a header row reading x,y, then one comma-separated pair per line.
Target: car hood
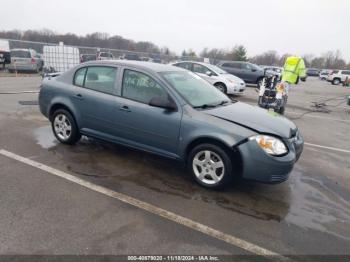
x,y
255,118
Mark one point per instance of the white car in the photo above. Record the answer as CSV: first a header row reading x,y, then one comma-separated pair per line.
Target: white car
x,y
225,82
338,76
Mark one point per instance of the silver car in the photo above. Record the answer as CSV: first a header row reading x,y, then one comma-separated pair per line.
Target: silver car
x,y
25,60
225,82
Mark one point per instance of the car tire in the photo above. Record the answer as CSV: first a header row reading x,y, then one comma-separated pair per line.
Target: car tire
x,y
210,166
281,110
64,127
336,81
221,87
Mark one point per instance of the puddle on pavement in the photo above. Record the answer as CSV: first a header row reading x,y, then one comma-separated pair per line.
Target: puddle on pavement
x,y
314,205
303,201
44,137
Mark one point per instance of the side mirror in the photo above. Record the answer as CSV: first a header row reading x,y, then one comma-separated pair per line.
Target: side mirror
x,y
166,103
208,73
254,70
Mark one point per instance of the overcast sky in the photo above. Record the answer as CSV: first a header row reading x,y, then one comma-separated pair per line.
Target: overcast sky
x,y
295,26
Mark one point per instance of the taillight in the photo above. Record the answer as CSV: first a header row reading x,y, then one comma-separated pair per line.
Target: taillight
x,y
33,61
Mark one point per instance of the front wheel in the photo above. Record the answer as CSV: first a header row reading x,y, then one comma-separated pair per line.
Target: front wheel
x,y
221,87
210,166
64,127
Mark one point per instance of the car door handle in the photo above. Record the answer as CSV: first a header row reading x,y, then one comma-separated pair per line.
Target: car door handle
x,y
79,96
125,108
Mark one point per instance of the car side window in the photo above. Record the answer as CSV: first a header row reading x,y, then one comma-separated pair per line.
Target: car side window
x,y
346,72
235,65
101,78
187,66
140,87
79,77
247,66
200,69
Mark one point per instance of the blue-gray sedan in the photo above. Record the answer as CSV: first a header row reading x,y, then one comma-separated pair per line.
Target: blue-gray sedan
x,y
174,113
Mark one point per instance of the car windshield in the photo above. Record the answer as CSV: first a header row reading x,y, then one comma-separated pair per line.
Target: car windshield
x,y
216,69
196,91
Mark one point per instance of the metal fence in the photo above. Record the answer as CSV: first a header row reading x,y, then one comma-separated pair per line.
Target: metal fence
x,y
58,57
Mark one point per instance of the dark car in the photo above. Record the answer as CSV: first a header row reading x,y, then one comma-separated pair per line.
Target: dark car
x,y
5,55
87,57
313,72
131,56
5,58
174,113
249,72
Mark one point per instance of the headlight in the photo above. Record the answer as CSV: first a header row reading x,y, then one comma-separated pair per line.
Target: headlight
x,y
271,145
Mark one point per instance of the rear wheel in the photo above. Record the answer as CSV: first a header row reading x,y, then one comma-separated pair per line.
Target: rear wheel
x,y
210,166
336,81
221,87
64,127
281,110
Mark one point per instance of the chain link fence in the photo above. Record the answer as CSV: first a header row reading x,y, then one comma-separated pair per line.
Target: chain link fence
x,y
58,57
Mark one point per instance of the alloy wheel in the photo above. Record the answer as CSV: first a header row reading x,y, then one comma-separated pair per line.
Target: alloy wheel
x,y
62,127
208,167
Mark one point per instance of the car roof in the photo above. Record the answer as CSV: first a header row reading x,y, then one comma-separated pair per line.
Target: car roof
x,y
21,49
149,66
195,62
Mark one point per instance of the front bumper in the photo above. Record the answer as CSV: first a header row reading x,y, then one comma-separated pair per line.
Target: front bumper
x,y
23,67
262,167
236,88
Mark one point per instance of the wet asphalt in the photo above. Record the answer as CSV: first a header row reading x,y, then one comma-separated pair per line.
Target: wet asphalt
x,y
39,214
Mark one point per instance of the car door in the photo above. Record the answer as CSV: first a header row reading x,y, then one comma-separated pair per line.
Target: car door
x,y
94,97
203,71
151,128
250,73
235,69
227,67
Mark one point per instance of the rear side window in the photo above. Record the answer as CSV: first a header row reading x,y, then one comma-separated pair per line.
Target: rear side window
x,y
21,54
227,65
101,78
232,65
187,66
346,72
79,77
140,87
200,69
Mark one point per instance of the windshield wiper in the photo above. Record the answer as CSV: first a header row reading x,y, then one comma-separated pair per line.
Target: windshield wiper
x,y
223,102
204,106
